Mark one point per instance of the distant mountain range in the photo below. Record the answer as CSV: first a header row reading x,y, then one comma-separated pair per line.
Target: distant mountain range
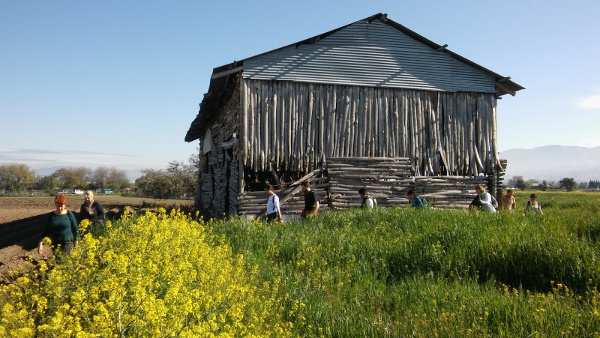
x,y
553,163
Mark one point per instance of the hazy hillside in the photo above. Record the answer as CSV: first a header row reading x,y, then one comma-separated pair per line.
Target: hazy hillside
x,y
553,163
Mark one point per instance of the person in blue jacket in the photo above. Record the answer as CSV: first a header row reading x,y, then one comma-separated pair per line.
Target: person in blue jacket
x,y
416,201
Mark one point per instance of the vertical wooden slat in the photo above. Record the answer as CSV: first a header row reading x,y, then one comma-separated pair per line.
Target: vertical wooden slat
x,y
346,122
284,122
354,124
243,134
252,118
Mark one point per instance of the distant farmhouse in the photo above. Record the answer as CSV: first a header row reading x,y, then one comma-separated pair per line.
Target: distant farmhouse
x,y
370,104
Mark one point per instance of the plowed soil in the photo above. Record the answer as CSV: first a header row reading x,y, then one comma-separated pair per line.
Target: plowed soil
x,y
22,220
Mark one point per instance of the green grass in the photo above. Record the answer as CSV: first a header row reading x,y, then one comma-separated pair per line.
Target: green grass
x,y
375,273
399,272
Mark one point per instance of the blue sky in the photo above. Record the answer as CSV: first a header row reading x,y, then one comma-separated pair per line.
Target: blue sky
x,y
117,83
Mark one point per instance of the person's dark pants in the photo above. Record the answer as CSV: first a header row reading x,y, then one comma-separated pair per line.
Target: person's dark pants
x,y
271,217
65,247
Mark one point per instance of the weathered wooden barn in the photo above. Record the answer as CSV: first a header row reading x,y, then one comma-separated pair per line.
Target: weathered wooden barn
x,y
368,104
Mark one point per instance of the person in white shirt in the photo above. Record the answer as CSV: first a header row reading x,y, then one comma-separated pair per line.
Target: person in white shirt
x,y
485,199
533,205
367,201
273,207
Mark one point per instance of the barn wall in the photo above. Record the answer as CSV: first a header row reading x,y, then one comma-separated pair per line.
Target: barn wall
x,y
294,126
389,179
218,182
386,179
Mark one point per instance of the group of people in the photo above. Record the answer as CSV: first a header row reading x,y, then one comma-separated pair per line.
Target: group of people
x,y
369,202
486,202
483,201
63,230
312,203
62,227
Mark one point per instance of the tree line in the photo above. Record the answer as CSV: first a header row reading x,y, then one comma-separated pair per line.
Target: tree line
x,y
177,181
566,183
17,178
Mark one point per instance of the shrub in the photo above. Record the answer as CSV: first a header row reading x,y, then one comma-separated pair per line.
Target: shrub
x,y
156,275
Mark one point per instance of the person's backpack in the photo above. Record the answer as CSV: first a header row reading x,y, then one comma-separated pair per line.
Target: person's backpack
x,y
529,207
494,201
424,202
372,199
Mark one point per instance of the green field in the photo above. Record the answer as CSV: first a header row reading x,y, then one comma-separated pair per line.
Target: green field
x,y
385,272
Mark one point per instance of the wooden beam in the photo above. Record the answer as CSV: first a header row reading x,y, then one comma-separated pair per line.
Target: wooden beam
x,y
227,72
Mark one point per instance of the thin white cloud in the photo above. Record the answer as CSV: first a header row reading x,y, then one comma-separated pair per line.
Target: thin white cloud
x,y
589,102
37,159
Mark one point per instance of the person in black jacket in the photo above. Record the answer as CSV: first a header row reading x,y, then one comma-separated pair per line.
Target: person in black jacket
x,y
311,201
90,209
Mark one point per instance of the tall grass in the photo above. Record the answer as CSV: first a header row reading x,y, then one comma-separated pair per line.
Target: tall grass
x,y
377,273
424,272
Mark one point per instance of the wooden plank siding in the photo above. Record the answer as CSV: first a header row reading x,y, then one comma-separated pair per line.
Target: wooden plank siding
x,y
218,175
386,179
294,126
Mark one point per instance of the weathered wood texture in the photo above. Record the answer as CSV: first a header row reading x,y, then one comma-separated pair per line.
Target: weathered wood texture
x,y
218,181
294,126
386,179
298,127
291,198
389,179
448,191
252,203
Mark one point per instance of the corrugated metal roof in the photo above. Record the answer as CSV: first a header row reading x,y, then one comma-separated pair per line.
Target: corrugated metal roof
x,y
370,54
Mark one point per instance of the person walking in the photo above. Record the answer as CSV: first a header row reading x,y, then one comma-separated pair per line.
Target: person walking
x,y
367,201
507,201
533,205
416,201
273,207
61,227
483,200
311,201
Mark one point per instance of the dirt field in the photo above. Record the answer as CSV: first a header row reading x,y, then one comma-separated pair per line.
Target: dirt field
x,y
22,220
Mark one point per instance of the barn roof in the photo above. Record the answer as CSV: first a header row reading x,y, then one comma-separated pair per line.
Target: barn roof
x,y
374,52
